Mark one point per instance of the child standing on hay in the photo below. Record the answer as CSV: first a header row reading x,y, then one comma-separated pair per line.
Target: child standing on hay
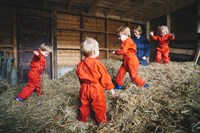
x,y
94,78
37,67
163,38
130,61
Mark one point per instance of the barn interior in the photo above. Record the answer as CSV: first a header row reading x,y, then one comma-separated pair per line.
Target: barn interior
x,y
25,24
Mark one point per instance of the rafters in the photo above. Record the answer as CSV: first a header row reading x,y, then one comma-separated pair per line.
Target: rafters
x,y
163,10
116,6
138,5
69,5
93,5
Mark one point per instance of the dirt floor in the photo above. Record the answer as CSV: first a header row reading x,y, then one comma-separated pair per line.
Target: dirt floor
x,y
171,104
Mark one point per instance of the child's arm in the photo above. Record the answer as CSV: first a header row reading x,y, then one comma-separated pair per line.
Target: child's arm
x,y
172,37
124,49
112,91
105,79
155,38
36,53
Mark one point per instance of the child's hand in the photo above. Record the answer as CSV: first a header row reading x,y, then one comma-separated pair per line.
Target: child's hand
x,y
151,33
173,35
36,53
113,52
144,57
112,92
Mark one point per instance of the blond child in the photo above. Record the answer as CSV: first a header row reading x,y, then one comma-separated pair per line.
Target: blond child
x,y
37,67
130,63
163,38
94,80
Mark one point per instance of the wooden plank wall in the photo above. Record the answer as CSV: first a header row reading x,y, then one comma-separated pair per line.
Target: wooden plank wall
x,y
184,47
72,29
6,30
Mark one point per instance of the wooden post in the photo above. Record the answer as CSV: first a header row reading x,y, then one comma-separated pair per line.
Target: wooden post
x,y
169,22
148,29
147,35
198,21
107,38
54,40
197,55
14,35
81,32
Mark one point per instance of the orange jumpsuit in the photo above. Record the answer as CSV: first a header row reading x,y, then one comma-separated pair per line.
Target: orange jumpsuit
x,y
162,51
37,66
94,78
130,63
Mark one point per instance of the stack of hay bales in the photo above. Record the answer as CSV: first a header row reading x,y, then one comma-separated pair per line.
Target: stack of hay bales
x,y
170,105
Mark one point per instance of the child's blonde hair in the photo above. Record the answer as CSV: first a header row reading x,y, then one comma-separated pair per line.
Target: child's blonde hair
x,y
163,28
138,28
45,47
124,30
88,46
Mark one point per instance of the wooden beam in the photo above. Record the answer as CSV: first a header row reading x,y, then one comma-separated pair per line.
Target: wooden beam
x,y
165,9
14,35
116,6
54,39
93,5
69,5
197,55
138,4
45,3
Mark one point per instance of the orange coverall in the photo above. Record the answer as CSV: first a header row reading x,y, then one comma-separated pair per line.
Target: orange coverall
x,y
94,78
37,66
162,51
130,63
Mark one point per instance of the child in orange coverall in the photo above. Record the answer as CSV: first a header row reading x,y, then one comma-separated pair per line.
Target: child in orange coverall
x,y
163,38
37,67
94,80
130,61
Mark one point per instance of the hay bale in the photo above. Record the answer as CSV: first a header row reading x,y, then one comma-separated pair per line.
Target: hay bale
x,y
170,105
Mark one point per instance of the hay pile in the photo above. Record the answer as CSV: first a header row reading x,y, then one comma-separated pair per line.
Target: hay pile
x,y
170,105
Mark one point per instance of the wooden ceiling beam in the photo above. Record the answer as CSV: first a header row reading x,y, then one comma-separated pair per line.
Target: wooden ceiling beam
x,y
116,6
138,5
165,9
69,5
93,5
45,3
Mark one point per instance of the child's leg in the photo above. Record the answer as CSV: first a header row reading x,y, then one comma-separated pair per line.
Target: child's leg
x,y
120,75
27,91
166,57
158,56
84,109
99,107
37,84
133,68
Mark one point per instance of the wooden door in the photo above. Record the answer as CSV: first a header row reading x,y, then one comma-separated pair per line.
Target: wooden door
x,y
32,31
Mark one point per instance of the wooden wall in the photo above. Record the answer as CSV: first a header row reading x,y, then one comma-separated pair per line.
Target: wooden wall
x,y
72,29
68,30
7,30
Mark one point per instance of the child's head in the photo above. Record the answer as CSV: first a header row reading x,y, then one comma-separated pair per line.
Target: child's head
x,y
163,30
45,49
123,32
90,47
137,31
